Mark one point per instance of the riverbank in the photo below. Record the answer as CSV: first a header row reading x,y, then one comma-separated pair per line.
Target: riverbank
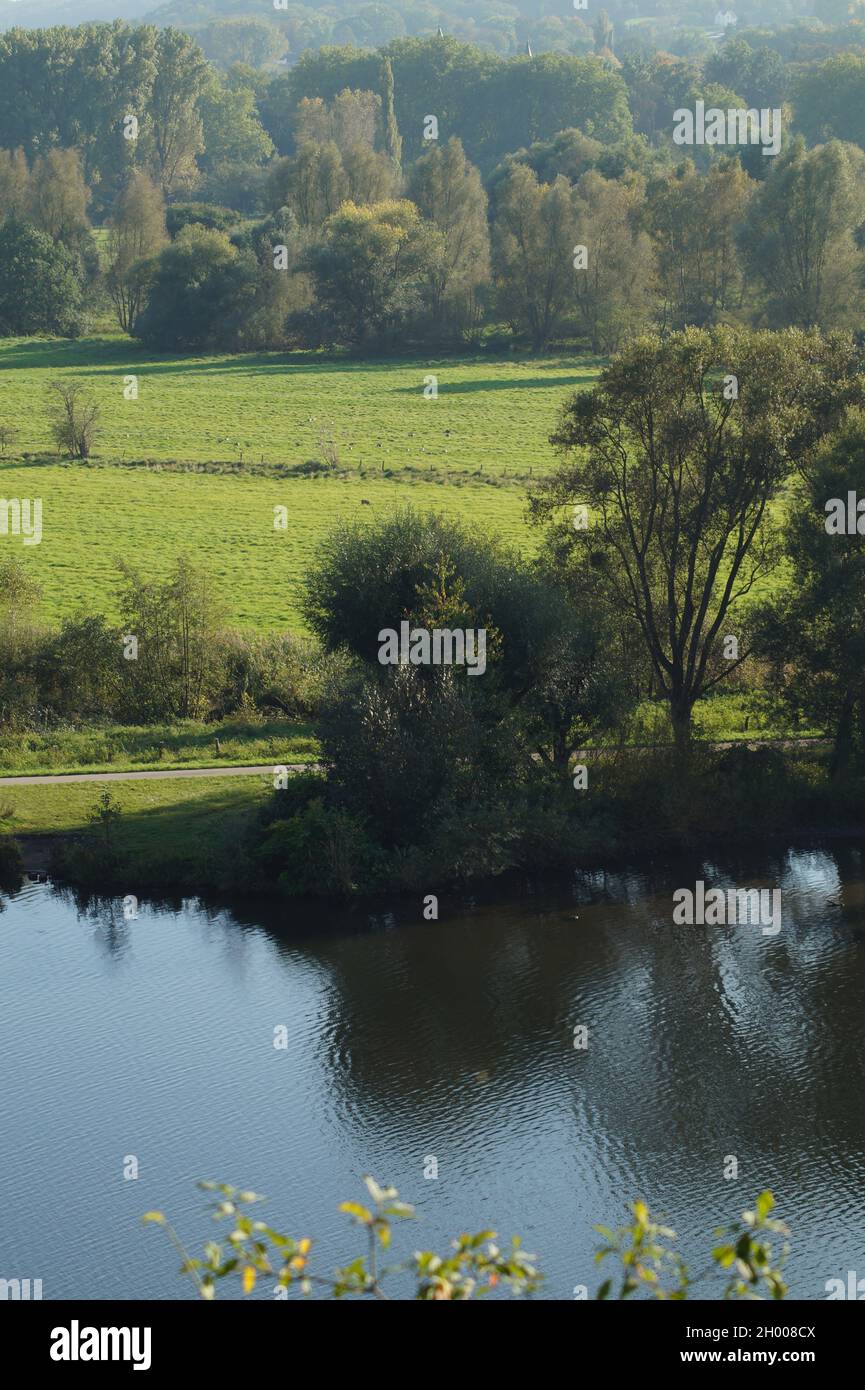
x,y
167,832
227,832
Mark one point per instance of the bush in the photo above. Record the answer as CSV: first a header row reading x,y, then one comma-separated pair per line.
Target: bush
x,y
74,418
443,766
278,672
210,215
321,850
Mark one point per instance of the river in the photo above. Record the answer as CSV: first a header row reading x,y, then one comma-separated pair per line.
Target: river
x,y
151,1037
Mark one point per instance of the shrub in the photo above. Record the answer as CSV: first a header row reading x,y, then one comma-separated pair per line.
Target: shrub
x,y
211,215
321,850
749,1259
74,418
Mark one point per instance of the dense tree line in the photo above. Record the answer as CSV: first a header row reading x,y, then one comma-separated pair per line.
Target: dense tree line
x,y
75,89
505,27
429,193
359,251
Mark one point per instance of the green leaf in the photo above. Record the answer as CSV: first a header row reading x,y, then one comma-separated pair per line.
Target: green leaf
x,y
764,1204
357,1211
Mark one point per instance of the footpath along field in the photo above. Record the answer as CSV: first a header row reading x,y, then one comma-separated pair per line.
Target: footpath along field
x,y
247,419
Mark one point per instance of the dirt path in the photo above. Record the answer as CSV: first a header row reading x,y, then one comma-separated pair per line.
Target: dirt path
x,y
51,778
267,769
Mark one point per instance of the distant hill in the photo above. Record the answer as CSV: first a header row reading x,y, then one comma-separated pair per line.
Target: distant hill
x,y
44,14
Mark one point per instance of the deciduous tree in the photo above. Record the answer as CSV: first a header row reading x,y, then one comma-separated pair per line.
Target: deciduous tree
x,y
677,455
137,233
799,237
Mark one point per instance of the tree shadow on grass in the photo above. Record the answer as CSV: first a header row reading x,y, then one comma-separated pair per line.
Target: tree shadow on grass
x,y
463,388
107,356
187,843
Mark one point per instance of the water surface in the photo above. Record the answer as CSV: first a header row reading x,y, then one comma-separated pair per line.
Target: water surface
x,y
409,1039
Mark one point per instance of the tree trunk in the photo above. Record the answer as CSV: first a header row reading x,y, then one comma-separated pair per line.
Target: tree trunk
x,y
843,745
680,716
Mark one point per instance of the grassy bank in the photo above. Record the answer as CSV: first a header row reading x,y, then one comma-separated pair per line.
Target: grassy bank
x,y
151,812
194,835
126,748
173,833
736,716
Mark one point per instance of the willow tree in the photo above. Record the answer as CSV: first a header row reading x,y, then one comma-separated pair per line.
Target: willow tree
x,y
676,457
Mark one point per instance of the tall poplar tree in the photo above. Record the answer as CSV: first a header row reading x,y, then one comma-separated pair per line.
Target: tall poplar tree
x,y
392,137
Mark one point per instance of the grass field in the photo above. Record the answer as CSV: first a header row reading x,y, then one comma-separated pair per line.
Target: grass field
x,y
94,516
490,416
495,413
191,744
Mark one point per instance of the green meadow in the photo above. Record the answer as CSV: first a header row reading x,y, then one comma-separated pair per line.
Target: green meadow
x,y
201,458
274,408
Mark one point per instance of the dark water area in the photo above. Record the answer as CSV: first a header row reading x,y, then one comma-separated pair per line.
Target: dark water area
x,y
408,1039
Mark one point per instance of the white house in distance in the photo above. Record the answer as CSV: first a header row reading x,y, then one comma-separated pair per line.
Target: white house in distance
x,y
724,19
